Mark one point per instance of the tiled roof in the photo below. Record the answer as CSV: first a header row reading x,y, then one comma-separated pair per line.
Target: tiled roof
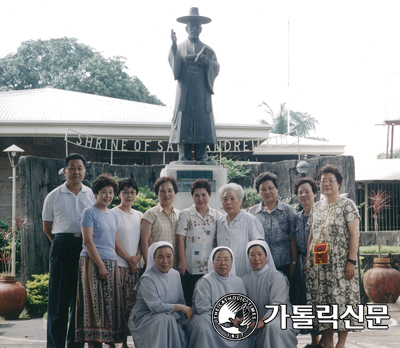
x,y
53,105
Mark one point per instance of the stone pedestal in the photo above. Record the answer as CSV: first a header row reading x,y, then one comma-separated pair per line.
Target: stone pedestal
x,y
186,174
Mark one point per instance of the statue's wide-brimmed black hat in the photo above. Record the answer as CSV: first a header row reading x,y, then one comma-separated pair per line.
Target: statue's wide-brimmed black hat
x,y
194,14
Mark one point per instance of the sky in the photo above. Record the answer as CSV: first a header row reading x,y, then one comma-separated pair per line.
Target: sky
x,y
337,60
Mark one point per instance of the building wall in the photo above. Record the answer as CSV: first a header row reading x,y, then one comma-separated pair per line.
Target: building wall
x,y
5,189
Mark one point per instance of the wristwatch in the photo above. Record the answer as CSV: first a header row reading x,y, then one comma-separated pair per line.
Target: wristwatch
x,y
352,261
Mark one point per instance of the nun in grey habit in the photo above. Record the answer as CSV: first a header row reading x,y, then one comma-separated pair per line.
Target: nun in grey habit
x,y
267,286
220,281
157,318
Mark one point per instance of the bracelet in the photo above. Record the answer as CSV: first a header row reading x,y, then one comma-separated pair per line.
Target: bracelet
x,y
352,261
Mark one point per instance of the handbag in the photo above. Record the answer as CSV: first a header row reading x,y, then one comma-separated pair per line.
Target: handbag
x,y
320,250
321,256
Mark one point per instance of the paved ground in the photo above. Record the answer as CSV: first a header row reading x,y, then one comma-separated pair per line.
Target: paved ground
x,y
31,333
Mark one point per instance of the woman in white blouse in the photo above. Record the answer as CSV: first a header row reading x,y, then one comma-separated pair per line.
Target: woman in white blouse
x,y
129,236
196,233
237,227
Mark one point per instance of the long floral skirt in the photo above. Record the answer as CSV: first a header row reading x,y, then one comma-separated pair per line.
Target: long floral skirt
x,y
127,283
99,313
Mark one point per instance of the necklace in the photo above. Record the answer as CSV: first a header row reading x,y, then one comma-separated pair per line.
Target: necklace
x,y
329,222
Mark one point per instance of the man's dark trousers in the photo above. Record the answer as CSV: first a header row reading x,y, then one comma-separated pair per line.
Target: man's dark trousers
x,y
64,262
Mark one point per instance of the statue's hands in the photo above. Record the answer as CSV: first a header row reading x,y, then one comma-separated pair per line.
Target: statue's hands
x,y
201,59
173,38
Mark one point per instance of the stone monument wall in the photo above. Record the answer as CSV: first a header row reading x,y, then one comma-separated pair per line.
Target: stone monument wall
x,y
38,176
287,173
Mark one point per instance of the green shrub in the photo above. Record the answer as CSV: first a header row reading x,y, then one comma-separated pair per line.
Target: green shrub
x,y
142,203
235,169
288,200
251,197
3,227
37,295
147,192
6,246
373,249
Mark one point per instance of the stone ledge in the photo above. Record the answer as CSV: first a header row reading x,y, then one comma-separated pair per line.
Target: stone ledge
x,y
389,238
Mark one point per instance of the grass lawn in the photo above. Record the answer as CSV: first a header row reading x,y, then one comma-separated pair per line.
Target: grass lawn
x,y
373,249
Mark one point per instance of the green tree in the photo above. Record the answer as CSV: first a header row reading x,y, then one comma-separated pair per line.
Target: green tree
x,y
396,154
302,122
66,64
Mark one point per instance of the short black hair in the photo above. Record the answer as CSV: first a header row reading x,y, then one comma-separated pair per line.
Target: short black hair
x,y
330,168
102,181
265,177
126,183
163,180
73,156
201,183
306,180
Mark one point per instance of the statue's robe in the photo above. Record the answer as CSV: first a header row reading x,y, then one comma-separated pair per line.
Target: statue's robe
x,y
193,119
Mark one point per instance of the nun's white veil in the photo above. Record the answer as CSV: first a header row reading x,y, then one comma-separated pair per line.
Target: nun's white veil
x,y
211,262
264,244
150,254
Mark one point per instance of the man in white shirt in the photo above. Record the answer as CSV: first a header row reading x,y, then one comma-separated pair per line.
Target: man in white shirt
x,y
61,214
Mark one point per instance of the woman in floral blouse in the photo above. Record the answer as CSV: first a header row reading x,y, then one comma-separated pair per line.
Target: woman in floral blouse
x,y
196,231
278,221
334,220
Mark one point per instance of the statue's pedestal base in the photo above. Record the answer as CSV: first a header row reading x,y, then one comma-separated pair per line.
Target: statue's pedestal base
x,y
186,174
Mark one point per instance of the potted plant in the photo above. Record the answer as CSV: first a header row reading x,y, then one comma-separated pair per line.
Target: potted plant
x,y
382,282
12,293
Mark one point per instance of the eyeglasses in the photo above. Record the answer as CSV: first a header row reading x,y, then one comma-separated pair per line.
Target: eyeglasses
x,y
133,192
330,182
